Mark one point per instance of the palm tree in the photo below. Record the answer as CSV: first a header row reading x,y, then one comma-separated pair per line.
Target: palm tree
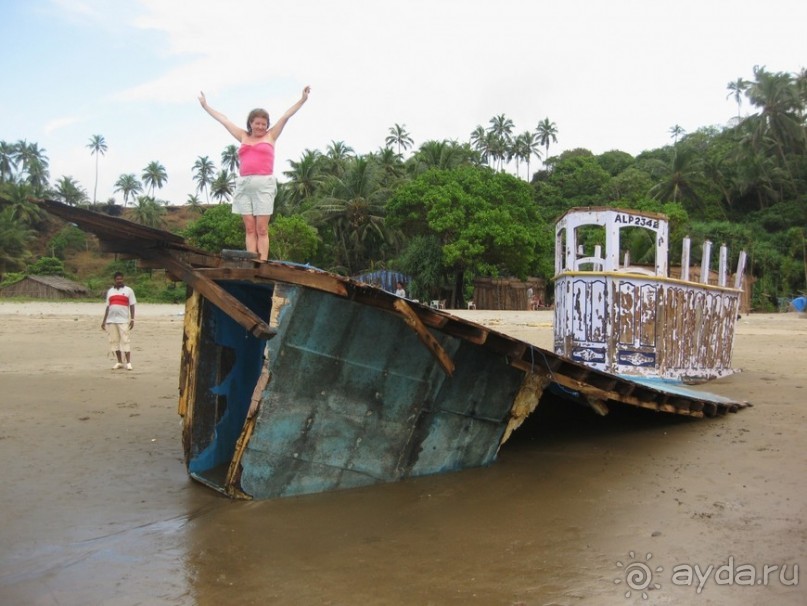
x,y
338,154
442,154
305,176
203,171
8,161
223,186
390,163
398,136
70,192
354,211
547,132
97,147
195,203
33,163
525,146
479,141
128,185
20,205
736,89
154,175
683,175
675,132
15,237
501,129
779,119
229,159
147,212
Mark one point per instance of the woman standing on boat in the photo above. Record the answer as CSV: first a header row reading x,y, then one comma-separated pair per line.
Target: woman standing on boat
x,y
255,189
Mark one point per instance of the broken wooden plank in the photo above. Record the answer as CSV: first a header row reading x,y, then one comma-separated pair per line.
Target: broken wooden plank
x,y
412,320
215,294
525,402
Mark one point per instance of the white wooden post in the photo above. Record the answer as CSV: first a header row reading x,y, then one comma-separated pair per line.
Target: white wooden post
x,y
685,259
706,262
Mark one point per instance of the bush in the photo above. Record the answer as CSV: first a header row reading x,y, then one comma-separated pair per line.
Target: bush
x,y
216,230
47,266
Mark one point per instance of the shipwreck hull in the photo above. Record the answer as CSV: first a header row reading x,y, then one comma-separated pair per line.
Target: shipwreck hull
x,y
353,399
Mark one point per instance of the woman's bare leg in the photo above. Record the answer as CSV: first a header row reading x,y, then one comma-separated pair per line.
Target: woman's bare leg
x,y
251,233
262,235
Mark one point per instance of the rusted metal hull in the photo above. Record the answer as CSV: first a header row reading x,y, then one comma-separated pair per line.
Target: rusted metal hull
x,y
294,380
352,396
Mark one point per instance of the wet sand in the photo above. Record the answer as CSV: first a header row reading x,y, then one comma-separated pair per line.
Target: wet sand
x,y
98,509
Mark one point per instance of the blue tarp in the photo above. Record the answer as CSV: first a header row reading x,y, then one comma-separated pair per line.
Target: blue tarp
x,y
386,278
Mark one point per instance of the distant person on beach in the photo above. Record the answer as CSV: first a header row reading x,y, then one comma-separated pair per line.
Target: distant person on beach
x,y
256,188
119,320
400,291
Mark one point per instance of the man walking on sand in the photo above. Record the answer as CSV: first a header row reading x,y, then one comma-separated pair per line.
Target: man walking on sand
x,y
119,317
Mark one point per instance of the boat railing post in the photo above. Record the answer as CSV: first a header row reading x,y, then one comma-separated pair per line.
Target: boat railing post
x,y
706,262
662,249
685,258
738,278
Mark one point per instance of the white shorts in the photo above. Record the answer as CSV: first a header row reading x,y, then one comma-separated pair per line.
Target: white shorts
x,y
118,336
255,195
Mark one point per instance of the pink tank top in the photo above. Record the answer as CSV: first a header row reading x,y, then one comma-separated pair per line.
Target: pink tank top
x,y
258,159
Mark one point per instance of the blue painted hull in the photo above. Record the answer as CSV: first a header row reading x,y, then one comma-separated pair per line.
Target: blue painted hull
x,y
354,399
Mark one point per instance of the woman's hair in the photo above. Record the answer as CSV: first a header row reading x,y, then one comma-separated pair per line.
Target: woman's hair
x,y
258,112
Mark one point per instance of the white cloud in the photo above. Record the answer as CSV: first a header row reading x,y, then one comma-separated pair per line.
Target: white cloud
x,y
54,125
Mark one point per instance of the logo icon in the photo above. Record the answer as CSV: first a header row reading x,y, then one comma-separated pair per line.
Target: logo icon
x,y
638,575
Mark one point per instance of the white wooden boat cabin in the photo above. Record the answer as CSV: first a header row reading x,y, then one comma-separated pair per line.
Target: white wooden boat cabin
x,y
630,319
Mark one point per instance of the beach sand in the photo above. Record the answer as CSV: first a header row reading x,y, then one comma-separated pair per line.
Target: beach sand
x,y
98,509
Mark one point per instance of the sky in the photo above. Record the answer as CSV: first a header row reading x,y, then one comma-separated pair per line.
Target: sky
x,y
611,74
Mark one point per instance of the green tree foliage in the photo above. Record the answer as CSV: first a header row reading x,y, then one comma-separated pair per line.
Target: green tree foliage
x,y
32,165
47,266
15,237
399,137
70,192
745,184
351,216
484,221
203,173
148,212
223,186
69,239
292,239
576,179
422,258
154,175
129,185
216,230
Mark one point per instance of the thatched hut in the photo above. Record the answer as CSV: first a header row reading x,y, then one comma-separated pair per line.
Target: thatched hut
x,y
45,287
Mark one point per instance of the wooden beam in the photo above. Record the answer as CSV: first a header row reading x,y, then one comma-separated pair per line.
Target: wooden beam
x,y
215,294
413,321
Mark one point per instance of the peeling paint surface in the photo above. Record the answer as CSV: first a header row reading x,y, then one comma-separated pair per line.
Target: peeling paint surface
x,y
629,320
